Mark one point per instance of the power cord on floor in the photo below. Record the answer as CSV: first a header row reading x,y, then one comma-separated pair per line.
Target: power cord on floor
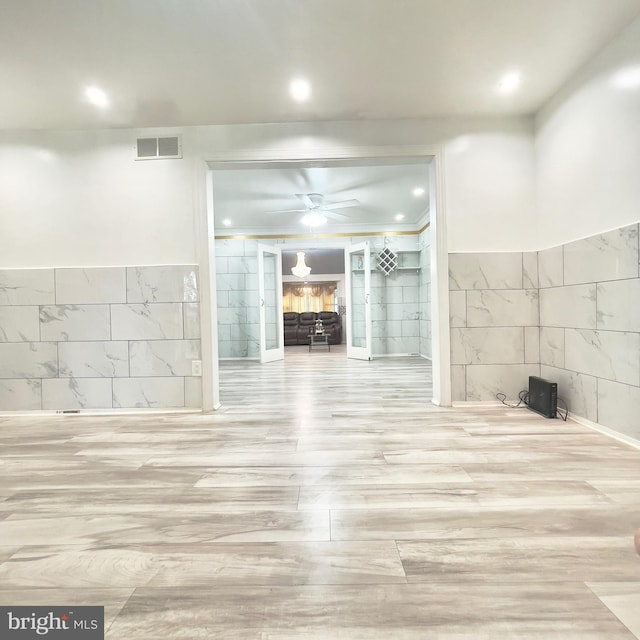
x,y
523,396
566,410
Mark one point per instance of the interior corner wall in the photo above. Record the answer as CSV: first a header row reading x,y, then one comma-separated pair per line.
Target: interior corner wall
x,y
587,151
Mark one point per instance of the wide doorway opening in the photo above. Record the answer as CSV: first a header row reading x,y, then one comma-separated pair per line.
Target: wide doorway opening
x,y
382,204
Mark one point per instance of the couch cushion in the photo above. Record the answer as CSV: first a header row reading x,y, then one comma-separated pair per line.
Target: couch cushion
x,y
329,317
307,318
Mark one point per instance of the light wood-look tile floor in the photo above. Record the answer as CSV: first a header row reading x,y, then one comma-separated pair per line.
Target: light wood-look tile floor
x,y
328,499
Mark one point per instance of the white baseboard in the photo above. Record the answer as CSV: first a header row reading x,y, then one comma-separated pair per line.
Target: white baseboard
x,y
612,433
477,403
96,412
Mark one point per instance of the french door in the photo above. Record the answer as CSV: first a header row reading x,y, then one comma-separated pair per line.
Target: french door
x,y
270,303
358,290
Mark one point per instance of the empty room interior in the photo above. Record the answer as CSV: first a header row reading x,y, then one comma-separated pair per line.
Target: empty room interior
x,y
320,319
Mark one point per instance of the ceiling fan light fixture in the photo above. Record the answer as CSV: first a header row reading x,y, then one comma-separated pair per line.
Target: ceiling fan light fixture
x,y
313,219
301,270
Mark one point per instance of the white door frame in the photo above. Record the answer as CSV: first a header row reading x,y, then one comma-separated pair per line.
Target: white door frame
x,y
258,158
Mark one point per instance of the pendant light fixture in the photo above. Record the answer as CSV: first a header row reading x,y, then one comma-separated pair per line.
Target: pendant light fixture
x,y
301,270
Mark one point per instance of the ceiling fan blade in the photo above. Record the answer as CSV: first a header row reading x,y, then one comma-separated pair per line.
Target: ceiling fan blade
x,y
341,205
334,216
306,199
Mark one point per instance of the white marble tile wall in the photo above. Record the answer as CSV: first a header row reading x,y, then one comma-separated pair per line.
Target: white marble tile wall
x,y
577,390
91,286
572,306
502,308
400,309
99,338
618,406
162,284
148,393
618,307
27,286
237,299
590,326
494,315
485,271
156,321
93,359
487,345
586,336
607,256
21,394
550,263
20,324
485,380
75,322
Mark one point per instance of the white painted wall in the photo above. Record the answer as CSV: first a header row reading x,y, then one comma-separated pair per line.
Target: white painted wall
x,y
489,166
588,149
79,199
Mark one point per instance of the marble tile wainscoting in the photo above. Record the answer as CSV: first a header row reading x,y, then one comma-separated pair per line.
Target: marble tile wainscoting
x,y
570,313
494,318
99,338
590,326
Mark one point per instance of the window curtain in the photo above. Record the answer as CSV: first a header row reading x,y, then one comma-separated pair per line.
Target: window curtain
x,y
309,297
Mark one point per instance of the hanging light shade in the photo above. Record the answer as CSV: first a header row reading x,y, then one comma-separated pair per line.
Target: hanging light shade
x,y
301,270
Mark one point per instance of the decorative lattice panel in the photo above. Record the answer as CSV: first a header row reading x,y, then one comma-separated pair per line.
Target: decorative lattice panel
x,y
387,261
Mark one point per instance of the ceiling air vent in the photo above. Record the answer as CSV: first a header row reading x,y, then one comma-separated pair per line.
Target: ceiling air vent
x,y
158,148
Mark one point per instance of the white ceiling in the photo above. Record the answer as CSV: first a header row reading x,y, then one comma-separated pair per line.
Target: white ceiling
x,y
187,62
196,62
246,197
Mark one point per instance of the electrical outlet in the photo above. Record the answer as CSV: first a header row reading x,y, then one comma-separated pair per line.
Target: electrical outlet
x,y
196,367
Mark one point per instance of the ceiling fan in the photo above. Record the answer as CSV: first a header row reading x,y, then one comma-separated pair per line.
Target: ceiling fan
x,y
316,211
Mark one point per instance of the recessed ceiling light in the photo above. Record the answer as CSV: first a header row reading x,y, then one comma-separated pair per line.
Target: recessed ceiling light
x,y
300,89
627,79
510,82
418,192
97,97
313,219
399,216
226,222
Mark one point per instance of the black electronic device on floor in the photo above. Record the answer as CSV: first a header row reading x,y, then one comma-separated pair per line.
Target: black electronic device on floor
x,y
543,396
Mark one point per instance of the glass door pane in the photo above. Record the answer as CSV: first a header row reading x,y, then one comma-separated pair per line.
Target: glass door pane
x,y
270,291
358,280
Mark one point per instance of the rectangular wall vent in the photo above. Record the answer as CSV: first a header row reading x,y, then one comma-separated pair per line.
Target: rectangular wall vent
x,y
158,148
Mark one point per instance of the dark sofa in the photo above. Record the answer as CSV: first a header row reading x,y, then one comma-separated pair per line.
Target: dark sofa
x,y
298,326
